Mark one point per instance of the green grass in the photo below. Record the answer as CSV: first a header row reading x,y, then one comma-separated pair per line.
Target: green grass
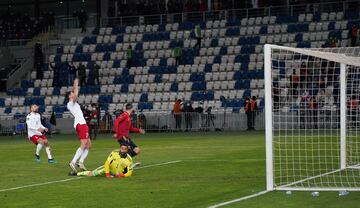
x,y
215,167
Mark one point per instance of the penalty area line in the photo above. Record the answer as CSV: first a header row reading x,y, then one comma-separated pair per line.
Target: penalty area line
x,y
39,184
158,164
77,178
239,199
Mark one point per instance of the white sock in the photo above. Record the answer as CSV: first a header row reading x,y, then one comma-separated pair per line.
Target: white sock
x,y
38,148
77,155
48,152
84,155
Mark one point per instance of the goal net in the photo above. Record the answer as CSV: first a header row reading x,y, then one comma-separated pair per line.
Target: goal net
x,y
312,118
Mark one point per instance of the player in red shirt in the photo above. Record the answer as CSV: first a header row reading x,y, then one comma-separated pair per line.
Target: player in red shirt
x,y
122,128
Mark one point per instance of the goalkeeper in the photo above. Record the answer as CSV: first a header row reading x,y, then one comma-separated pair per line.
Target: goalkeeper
x,y
118,164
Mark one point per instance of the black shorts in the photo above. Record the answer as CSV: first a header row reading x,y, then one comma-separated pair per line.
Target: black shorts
x,y
128,142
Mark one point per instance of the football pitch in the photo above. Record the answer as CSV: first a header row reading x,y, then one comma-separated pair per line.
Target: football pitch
x,y
178,170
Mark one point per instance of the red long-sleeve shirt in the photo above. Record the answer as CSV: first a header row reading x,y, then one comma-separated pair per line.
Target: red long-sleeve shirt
x,y
123,125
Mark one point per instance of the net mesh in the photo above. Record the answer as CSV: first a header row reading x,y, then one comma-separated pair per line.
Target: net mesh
x,y
306,118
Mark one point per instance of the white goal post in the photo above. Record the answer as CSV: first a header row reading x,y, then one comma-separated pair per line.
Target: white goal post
x,y
312,118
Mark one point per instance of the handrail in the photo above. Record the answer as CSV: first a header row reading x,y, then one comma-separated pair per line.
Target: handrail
x,y
20,71
229,14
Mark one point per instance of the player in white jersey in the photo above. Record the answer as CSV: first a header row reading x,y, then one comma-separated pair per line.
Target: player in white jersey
x,y
36,133
81,128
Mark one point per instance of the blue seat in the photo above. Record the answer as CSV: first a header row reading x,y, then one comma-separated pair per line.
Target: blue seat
x,y
208,68
331,26
264,30
124,88
209,95
7,110
158,78
214,42
116,63
144,97
104,106
223,51
174,87
95,31
60,50
299,37
233,22
119,39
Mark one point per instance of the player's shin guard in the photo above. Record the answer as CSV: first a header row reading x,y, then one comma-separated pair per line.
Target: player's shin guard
x,y
48,152
77,155
38,148
84,155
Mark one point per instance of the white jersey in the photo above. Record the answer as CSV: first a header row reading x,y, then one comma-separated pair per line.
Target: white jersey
x,y
76,111
33,122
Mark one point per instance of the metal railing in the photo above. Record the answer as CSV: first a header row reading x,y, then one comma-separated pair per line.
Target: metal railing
x,y
19,72
65,22
338,6
156,121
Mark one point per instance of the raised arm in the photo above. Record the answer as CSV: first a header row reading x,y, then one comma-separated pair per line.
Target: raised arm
x,y
76,89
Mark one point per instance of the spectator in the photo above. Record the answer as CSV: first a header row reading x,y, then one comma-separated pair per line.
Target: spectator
x,y
141,120
353,35
198,36
303,75
313,107
53,119
276,95
96,74
94,122
108,121
254,108
188,110
200,110
294,78
177,54
202,6
129,57
302,112
82,17
38,60
56,68
209,119
353,108
248,114
72,73
333,42
82,75
177,114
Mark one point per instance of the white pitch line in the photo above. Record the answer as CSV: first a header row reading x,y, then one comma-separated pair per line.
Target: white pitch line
x,y
39,184
77,178
239,199
159,164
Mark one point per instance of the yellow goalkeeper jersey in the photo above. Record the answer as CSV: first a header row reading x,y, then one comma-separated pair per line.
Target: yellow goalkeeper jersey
x,y
114,164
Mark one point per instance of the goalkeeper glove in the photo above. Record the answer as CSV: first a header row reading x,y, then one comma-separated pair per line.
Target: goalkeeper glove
x,y
107,175
120,175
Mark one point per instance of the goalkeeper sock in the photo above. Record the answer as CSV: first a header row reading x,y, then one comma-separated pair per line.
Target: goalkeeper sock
x,y
48,152
84,173
38,148
84,155
77,155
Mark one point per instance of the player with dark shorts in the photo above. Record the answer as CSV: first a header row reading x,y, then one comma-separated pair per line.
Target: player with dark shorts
x,y
123,126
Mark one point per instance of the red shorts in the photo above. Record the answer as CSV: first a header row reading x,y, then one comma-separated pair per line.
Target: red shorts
x,y
35,138
82,131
